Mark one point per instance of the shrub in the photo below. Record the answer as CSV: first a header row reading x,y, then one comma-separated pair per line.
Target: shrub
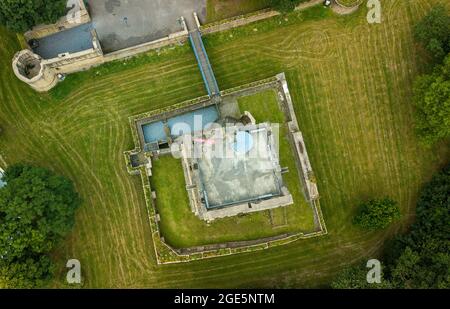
x,y
377,214
432,102
433,32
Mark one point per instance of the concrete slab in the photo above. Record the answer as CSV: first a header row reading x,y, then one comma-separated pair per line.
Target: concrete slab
x,y
125,23
233,177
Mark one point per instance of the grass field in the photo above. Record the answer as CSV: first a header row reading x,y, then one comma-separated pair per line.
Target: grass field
x,y
221,9
351,83
181,228
264,107
349,3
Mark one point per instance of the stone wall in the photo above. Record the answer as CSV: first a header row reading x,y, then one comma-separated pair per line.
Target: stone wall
x,y
28,67
238,21
355,3
306,170
74,62
345,9
176,38
246,19
70,63
171,39
84,60
307,177
165,254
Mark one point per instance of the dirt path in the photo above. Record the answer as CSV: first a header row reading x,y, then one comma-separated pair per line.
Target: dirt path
x,y
342,10
306,5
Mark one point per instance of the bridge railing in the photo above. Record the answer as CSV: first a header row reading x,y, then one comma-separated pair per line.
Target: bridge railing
x,y
207,72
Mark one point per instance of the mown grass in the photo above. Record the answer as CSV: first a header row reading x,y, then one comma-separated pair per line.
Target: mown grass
x,y
349,3
181,228
351,84
314,13
73,81
222,9
265,108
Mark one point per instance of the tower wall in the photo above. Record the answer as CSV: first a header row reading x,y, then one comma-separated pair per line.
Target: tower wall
x,y
29,68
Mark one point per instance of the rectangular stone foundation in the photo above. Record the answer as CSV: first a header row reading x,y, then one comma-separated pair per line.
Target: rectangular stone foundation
x,y
225,187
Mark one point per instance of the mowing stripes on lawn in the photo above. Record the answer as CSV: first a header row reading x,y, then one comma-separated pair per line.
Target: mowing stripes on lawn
x,y
351,83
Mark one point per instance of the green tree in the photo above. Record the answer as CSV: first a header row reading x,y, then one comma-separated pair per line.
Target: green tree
x,y
355,277
377,214
26,273
21,15
433,32
432,102
421,258
37,211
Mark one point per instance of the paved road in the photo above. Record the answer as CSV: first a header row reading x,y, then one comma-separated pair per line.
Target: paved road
x,y
125,23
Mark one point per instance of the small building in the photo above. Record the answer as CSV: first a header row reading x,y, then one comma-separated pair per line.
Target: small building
x,y
62,48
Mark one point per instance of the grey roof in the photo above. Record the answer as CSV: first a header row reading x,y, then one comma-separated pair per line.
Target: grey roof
x,y
68,41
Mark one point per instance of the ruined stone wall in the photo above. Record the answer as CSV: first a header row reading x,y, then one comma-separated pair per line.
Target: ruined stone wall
x,y
345,9
237,21
145,47
171,39
306,170
28,67
246,19
75,62
78,64
84,60
355,3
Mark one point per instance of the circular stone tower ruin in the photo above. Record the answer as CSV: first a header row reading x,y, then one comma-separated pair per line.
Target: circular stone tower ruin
x,y
29,68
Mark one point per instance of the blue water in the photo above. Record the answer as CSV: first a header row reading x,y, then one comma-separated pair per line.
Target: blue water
x,y
183,124
154,132
244,142
193,121
69,41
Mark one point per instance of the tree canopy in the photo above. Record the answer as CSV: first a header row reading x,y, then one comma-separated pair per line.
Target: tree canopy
x,y
433,32
37,211
377,214
420,258
432,102
21,15
354,277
